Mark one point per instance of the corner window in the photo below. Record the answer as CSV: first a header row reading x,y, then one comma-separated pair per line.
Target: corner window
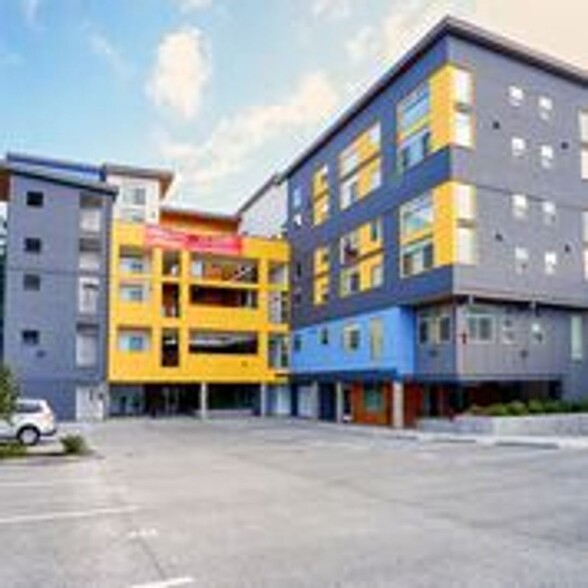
x,y
33,245
516,96
518,147
35,199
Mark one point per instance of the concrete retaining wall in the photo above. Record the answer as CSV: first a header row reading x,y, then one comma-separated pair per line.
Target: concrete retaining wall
x,y
542,425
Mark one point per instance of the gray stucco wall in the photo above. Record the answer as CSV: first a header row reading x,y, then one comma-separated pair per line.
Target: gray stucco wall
x,y
49,370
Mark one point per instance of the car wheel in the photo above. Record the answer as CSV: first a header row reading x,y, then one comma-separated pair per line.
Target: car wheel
x,y
28,436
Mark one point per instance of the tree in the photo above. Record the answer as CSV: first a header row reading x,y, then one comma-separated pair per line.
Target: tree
x,y
8,393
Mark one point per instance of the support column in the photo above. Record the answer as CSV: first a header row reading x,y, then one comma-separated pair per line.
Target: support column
x,y
398,405
339,402
203,412
263,400
315,399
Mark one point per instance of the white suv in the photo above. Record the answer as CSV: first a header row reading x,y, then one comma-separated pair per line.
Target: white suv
x,y
31,420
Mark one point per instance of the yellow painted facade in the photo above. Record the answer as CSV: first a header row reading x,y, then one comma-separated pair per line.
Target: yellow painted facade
x,y
149,316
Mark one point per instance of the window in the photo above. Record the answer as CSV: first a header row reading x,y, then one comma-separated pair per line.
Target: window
x,y
480,327
33,245
465,202
351,338
518,147
584,163
360,167
297,343
547,156
550,263
520,206
537,333
584,142
434,326
134,341
585,263
466,245
135,195
31,282
349,247
521,260
425,328
35,199
549,212
324,335
414,108
373,398
508,331
90,213
30,338
585,226
464,131
132,293
210,342
376,338
376,230
133,262
296,198
350,281
516,96
414,149
545,105
417,257
377,276
463,87
88,295
86,346
577,337
584,126
90,257
416,215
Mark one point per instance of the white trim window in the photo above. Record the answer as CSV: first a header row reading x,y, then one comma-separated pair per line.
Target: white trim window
x,y
550,263
463,87
518,147
516,96
464,129
547,156
545,106
480,326
520,206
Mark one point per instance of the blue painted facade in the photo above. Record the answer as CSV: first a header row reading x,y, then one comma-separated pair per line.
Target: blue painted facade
x,y
331,360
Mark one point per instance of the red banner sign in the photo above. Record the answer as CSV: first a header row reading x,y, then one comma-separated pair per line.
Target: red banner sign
x,y
156,236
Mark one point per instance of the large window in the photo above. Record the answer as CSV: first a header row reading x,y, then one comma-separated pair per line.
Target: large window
x,y
223,343
417,257
360,167
480,326
435,326
414,108
417,215
414,131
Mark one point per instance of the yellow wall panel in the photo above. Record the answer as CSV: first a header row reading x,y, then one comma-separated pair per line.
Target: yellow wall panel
x,y
442,107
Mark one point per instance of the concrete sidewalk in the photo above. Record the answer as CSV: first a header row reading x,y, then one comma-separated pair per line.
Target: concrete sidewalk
x,y
546,442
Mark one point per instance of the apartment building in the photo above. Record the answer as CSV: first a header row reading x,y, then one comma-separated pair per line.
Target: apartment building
x,y
55,295
439,233
198,311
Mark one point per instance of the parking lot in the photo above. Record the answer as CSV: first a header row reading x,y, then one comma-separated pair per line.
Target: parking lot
x,y
267,503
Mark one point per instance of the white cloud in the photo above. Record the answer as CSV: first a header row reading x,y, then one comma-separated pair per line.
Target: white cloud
x,y
404,23
192,5
181,73
30,10
235,141
332,8
103,48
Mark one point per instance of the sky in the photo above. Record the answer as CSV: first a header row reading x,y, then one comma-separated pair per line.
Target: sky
x,y
222,92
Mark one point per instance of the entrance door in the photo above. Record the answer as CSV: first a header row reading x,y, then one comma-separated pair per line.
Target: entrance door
x,y
89,403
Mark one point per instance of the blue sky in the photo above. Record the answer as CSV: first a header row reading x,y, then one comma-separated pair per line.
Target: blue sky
x,y
224,92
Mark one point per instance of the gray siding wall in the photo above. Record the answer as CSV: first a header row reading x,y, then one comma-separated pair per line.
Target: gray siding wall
x,y
49,370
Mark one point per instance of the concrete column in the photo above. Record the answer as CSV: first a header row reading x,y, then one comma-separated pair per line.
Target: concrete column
x,y
263,400
315,399
203,413
339,402
398,405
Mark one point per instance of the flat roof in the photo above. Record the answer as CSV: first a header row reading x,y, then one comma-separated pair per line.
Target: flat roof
x,y
449,26
7,168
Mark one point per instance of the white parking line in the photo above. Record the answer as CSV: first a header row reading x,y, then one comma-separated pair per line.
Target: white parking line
x,y
167,583
65,515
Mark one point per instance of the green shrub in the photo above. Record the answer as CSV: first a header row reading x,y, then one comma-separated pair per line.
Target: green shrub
x,y
74,445
517,408
11,450
536,407
497,410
